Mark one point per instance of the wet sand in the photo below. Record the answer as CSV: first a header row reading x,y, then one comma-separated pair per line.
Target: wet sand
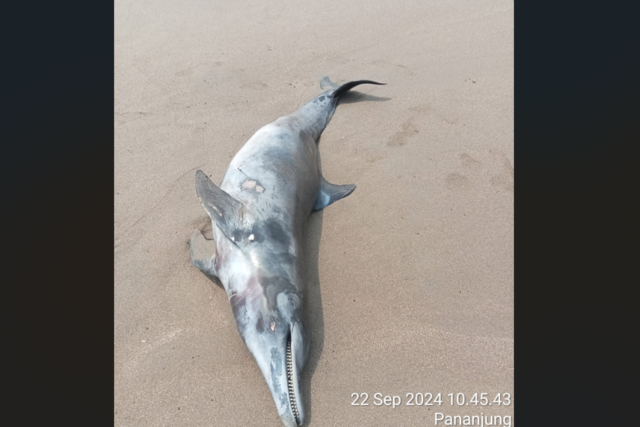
x,y
410,278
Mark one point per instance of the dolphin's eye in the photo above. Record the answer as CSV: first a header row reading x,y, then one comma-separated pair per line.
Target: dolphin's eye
x,y
294,301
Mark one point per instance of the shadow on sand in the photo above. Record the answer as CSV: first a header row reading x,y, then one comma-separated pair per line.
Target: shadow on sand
x,y
355,96
314,313
313,292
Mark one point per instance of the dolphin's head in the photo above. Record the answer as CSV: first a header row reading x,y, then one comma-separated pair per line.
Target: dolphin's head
x,y
267,303
256,259
269,318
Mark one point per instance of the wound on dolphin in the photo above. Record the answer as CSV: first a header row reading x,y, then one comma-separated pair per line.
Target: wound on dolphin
x,y
251,184
259,214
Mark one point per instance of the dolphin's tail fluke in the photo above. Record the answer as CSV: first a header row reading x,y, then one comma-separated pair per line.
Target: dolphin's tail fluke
x,y
341,90
317,113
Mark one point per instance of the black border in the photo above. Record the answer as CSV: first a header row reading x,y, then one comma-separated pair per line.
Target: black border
x,y
576,121
58,164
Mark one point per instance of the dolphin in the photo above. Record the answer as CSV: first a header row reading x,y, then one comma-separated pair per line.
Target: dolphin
x,y
259,213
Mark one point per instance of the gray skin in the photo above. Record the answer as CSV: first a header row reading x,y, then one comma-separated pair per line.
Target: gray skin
x,y
259,214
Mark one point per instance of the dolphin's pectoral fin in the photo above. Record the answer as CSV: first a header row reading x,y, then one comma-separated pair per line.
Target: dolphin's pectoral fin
x,y
224,210
330,193
203,254
326,83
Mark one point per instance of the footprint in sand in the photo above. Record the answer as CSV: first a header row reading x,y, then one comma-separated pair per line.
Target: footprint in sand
x,y
456,181
407,130
475,172
470,163
374,156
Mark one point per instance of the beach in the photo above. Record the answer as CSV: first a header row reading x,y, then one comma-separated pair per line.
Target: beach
x,y
409,279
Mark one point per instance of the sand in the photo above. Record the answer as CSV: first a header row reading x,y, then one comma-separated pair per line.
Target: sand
x,y
410,278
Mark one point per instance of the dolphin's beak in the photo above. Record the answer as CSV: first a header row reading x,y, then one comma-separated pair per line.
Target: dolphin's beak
x,y
293,416
282,372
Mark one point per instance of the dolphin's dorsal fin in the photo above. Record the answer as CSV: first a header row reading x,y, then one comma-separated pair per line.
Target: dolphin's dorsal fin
x,y
224,210
330,193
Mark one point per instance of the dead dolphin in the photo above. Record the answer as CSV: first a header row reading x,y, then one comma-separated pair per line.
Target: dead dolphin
x,y
259,213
